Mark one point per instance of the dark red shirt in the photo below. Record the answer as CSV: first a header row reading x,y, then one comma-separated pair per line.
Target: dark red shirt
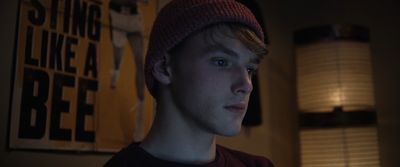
x,y
135,156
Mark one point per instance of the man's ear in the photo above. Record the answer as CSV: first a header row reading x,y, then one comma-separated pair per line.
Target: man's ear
x,y
161,71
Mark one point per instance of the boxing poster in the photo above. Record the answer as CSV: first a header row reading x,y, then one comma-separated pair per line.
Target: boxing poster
x,y
77,76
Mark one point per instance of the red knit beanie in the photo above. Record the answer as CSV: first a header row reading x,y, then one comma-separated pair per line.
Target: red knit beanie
x,y
181,18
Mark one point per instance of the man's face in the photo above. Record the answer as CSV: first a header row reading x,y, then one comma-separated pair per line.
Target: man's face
x,y
211,82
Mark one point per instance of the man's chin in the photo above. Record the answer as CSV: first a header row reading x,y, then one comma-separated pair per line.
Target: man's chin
x,y
231,132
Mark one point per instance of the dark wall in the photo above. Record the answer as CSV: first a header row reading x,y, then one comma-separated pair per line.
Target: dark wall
x,y
383,19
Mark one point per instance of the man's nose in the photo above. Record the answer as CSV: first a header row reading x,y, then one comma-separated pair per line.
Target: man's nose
x,y
242,82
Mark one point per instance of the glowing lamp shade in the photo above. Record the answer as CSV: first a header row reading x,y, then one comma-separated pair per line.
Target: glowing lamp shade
x,y
334,69
339,147
334,74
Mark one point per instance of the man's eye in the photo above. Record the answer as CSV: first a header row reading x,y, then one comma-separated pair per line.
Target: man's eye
x,y
251,71
220,62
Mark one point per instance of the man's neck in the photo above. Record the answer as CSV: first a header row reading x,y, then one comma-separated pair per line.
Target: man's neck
x,y
174,139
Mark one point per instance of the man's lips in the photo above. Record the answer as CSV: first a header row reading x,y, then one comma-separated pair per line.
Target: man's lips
x,y
237,108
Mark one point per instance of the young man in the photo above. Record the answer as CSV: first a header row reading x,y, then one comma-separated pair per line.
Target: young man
x,y
201,56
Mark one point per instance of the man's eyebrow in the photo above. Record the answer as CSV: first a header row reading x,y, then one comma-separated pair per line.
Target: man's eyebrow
x,y
221,48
